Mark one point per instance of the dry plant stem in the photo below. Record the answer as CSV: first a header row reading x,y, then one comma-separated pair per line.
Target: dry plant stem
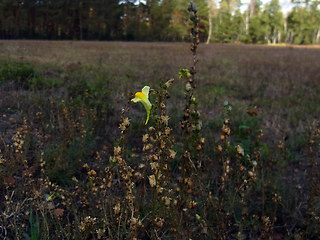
x,y
191,79
126,172
190,85
314,175
158,144
224,159
191,127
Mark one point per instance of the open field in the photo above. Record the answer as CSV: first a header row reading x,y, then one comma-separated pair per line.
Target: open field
x,y
60,107
282,82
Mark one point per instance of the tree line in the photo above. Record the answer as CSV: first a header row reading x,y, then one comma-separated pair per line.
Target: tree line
x,y
226,21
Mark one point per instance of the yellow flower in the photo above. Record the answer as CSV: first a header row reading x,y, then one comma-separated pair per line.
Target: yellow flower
x,y
143,97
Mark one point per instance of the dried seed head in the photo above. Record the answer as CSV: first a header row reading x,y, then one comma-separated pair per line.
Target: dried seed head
x,y
151,129
117,150
164,119
160,190
240,150
147,147
172,154
188,87
199,147
154,166
112,159
86,166
192,204
162,144
226,129
126,122
169,83
159,222
187,113
166,200
138,175
133,221
152,180
145,138
154,157
92,173
141,166
186,154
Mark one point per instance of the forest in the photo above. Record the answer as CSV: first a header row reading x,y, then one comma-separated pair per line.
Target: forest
x,y
225,21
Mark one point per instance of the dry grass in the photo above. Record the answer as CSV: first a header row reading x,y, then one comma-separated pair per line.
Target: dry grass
x,y
281,81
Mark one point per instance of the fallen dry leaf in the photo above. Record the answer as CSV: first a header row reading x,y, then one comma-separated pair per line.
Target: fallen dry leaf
x,y
59,211
9,180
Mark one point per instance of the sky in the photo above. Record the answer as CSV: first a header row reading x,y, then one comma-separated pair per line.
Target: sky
x,y
286,5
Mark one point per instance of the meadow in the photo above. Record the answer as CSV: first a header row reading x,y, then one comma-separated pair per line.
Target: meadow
x,y
232,153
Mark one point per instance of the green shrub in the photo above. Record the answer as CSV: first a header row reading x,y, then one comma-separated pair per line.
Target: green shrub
x,y
17,72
